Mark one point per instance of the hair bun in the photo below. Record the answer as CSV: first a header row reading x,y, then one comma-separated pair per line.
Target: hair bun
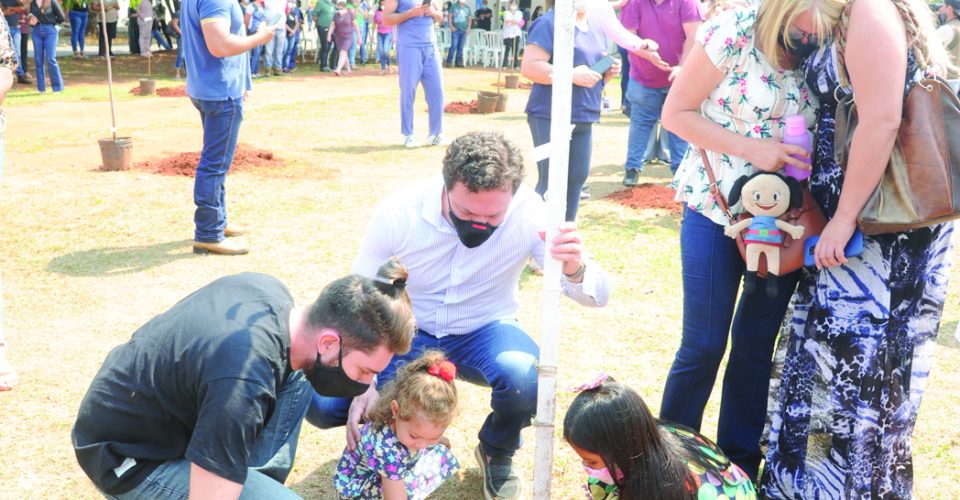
x,y
399,283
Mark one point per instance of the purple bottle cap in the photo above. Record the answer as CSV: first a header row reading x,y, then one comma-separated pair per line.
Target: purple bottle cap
x,y
795,125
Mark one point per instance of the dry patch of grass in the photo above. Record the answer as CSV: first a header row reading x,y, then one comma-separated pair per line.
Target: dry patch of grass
x,y
88,256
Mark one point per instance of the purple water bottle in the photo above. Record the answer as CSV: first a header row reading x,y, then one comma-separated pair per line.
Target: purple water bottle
x,y
796,133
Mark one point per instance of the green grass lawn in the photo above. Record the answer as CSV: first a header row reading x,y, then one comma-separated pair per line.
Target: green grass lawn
x,y
88,256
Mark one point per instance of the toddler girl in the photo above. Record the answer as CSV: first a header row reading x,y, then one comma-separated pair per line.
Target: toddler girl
x,y
402,452
628,454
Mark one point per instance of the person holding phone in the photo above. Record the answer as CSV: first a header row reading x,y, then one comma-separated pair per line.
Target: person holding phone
x,y
418,60
589,49
218,79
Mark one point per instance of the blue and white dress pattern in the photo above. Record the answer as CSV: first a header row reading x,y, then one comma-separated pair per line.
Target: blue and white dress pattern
x,y
853,359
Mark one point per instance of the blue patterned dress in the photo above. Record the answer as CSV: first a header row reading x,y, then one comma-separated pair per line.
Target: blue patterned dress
x,y
853,360
380,455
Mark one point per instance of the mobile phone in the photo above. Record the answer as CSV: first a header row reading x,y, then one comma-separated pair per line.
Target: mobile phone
x,y
854,247
603,65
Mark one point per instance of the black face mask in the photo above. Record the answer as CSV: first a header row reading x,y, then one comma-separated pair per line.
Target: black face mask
x,y
332,381
472,234
802,46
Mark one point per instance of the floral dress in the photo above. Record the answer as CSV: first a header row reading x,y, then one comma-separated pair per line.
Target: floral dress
x,y
753,99
380,455
852,361
731,484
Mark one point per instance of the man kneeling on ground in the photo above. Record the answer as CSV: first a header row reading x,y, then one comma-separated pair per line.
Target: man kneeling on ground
x,y
206,399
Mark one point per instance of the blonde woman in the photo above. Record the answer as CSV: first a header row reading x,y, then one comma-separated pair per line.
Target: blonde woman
x,y
860,343
732,98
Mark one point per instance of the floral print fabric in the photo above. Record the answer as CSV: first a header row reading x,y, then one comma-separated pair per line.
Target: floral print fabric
x,y
753,99
381,455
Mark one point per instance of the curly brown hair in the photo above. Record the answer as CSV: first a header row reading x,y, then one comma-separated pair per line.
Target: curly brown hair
x,y
416,391
483,161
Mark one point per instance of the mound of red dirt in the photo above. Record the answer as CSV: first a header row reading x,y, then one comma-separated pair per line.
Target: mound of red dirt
x,y
246,158
461,107
648,196
179,91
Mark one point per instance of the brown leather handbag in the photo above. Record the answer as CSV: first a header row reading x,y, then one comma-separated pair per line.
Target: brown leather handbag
x,y
921,184
791,253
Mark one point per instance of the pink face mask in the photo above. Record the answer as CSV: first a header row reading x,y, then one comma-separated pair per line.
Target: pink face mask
x,y
602,475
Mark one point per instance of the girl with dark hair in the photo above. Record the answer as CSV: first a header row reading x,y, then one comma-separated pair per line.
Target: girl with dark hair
x,y
629,454
402,452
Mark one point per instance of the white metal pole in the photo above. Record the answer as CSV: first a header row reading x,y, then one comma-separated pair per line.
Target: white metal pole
x,y
106,48
560,130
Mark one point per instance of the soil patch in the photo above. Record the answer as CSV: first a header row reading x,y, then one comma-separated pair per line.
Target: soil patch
x,y
178,91
461,107
648,195
246,158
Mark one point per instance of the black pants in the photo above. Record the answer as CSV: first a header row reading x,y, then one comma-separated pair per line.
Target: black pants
x,y
324,56
133,31
111,34
508,45
24,45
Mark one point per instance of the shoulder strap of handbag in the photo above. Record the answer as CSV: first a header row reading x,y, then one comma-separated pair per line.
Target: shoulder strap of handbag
x,y
715,190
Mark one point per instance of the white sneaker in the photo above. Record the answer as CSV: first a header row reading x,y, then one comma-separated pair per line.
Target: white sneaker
x,y
437,140
410,142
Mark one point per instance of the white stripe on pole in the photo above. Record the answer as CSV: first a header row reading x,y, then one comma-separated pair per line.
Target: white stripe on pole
x,y
560,129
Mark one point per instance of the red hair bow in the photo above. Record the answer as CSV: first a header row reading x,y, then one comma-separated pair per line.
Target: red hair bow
x,y
444,369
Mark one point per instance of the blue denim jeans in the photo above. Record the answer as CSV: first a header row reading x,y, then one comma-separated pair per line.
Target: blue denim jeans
x,y
275,49
499,355
45,51
255,59
712,272
179,62
362,39
578,168
290,59
78,30
457,38
161,41
352,51
646,104
271,458
221,127
384,42
13,24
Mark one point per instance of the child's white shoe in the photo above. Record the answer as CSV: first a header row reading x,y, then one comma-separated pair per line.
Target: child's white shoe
x,y
410,142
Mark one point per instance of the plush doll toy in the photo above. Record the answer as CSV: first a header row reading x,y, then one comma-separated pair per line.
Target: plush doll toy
x,y
766,196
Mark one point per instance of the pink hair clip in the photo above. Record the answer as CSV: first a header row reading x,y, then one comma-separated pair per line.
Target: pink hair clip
x,y
593,384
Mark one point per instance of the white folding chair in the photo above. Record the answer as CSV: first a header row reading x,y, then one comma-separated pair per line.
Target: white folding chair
x,y
492,48
472,48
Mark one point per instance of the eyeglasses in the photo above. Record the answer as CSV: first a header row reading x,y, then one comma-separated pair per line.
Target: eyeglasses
x,y
798,34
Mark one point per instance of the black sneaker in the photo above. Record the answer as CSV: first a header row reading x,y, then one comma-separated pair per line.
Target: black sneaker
x,y
500,481
631,177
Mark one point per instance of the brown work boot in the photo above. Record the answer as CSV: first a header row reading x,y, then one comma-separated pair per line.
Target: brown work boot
x,y
225,247
233,230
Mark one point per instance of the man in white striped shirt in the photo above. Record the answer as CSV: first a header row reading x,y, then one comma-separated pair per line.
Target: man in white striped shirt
x,y
465,240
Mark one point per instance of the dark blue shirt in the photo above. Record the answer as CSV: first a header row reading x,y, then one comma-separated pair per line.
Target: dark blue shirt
x,y
212,78
588,47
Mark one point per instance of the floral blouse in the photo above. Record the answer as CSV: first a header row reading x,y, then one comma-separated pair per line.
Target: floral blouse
x,y
753,99
381,455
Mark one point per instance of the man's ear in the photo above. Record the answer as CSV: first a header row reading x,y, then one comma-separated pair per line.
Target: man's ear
x,y
327,340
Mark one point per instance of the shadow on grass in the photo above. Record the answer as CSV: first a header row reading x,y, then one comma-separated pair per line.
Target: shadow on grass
x,y
946,336
120,260
656,220
468,483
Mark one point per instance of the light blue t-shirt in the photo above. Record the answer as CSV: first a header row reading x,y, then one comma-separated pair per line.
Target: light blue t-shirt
x,y
416,31
212,78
